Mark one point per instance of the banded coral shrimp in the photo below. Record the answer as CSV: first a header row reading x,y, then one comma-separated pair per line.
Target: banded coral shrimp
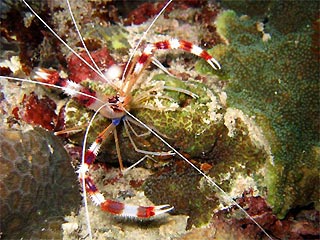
x,y
176,152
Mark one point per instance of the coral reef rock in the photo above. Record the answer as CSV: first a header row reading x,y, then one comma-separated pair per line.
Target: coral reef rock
x,y
38,184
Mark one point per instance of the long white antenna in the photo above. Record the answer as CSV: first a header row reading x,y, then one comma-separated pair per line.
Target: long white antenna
x,y
84,147
64,43
81,38
65,89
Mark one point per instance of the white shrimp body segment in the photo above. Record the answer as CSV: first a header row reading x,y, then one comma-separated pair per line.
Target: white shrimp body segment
x,y
97,198
114,72
174,43
72,88
94,148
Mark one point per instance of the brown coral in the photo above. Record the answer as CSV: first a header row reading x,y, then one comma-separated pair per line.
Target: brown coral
x,y
37,181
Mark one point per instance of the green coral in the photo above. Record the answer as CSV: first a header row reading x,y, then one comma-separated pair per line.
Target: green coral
x,y
233,157
185,127
277,82
284,16
181,185
225,143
